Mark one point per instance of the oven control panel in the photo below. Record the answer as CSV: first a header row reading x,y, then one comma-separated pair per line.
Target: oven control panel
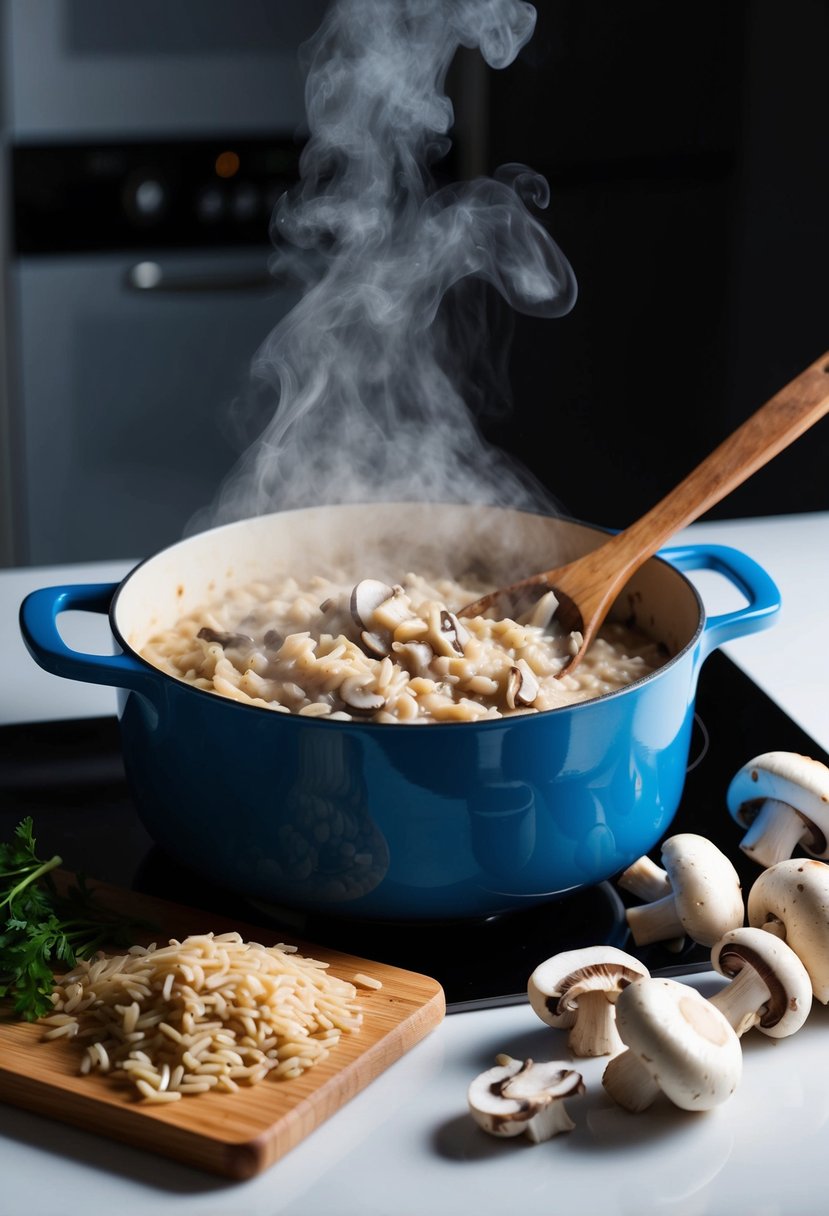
x,y
72,198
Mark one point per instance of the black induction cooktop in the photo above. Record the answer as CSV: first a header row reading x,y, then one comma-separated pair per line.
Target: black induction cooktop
x,y
69,777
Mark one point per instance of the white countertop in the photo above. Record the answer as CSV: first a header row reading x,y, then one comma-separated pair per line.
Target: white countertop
x,y
405,1146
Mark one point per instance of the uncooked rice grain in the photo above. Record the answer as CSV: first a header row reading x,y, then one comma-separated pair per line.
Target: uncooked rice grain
x,y
211,1012
367,981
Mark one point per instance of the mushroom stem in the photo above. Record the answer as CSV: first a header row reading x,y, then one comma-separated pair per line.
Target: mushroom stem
x,y
594,1031
655,922
774,833
549,1122
743,1000
645,879
629,1083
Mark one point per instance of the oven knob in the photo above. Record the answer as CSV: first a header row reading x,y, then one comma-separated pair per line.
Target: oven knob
x,y
149,197
210,205
245,202
145,198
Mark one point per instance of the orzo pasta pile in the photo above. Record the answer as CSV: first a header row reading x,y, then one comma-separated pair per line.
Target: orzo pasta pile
x,y
208,1012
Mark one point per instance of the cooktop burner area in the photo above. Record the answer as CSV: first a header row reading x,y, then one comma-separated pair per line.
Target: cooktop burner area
x,y
69,777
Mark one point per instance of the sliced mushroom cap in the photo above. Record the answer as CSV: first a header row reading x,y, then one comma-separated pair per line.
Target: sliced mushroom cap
x,y
791,900
228,641
706,897
452,635
522,685
576,990
366,598
676,1041
783,798
521,1097
367,595
770,988
542,611
376,644
357,695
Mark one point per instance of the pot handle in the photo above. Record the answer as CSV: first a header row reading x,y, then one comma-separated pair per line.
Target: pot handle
x,y
751,579
38,625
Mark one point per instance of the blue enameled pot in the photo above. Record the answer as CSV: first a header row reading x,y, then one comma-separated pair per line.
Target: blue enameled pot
x,y
400,822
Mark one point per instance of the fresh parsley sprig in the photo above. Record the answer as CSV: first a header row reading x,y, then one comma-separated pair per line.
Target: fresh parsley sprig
x,y
42,930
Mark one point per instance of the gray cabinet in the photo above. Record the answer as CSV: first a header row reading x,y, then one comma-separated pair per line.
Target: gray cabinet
x,y
129,394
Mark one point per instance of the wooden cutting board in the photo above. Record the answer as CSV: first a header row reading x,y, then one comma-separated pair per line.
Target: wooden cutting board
x,y
236,1135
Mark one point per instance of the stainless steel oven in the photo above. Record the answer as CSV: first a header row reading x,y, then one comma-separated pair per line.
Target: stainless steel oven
x,y
145,146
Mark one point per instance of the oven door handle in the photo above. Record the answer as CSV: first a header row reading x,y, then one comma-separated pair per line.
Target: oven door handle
x,y
38,625
150,278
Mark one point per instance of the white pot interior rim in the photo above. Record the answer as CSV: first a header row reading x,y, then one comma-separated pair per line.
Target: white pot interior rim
x,y
368,539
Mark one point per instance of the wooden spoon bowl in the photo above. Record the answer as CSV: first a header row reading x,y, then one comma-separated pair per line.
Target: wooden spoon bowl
x,y
587,587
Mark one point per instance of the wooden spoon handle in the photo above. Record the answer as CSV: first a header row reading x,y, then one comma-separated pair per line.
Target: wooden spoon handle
x,y
783,418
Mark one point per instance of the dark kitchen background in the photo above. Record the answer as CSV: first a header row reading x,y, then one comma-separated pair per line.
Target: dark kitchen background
x,y
144,144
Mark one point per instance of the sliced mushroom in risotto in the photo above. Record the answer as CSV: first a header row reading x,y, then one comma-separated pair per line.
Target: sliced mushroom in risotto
x,y
390,652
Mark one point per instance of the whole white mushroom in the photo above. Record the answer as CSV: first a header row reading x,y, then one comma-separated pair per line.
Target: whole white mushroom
x,y
791,900
705,899
770,988
783,798
576,990
676,1042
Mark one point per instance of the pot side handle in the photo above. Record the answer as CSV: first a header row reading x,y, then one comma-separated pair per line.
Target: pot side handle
x,y
38,624
746,575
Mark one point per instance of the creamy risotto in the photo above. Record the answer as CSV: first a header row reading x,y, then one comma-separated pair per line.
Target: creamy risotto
x,y
391,653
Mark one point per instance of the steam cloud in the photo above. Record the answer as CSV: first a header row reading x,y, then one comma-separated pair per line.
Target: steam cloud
x,y
371,377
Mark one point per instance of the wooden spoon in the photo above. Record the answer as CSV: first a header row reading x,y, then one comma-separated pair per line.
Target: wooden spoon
x,y
587,587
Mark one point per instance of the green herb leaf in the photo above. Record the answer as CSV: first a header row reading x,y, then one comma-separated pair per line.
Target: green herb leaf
x,y
43,927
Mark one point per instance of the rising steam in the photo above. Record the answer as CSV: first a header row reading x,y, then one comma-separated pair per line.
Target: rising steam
x,y
363,376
